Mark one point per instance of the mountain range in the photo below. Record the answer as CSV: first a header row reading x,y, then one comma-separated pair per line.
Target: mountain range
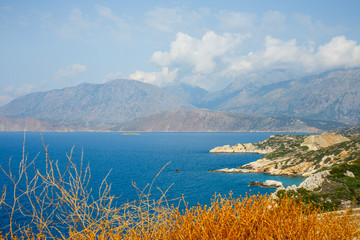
x,y
331,96
313,103
113,102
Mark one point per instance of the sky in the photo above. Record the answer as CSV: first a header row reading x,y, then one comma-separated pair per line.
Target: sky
x,y
55,44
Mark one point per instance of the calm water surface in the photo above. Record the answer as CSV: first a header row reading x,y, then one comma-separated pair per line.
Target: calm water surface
x,y
139,158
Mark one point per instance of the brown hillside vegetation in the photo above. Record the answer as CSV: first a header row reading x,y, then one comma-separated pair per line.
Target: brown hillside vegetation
x,y
254,217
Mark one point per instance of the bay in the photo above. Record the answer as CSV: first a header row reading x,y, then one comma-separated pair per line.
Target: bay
x,y
138,158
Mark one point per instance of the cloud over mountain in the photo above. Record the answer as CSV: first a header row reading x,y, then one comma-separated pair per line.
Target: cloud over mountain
x,y
69,71
216,59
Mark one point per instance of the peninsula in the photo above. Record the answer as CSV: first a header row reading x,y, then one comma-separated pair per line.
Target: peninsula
x,y
331,163
295,155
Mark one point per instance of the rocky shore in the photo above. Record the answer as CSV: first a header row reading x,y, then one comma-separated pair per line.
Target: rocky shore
x,y
293,155
330,163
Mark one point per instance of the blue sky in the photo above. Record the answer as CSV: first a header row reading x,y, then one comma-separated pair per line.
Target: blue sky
x,y
55,44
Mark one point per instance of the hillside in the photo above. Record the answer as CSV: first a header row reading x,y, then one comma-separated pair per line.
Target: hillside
x,y
311,104
332,96
348,130
335,188
203,120
190,94
299,155
113,102
34,125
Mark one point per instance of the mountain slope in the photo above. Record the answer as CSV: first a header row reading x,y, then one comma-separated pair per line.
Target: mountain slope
x,y
198,120
34,125
349,130
191,94
333,95
113,102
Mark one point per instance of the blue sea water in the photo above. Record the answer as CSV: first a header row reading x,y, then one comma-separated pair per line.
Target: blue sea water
x,y
139,158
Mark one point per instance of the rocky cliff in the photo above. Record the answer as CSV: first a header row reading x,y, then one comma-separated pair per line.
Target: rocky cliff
x,y
299,155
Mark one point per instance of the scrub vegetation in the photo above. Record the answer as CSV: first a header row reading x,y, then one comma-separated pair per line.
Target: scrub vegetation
x,y
58,204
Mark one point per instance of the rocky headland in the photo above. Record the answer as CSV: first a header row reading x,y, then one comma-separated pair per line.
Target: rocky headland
x,y
295,155
331,163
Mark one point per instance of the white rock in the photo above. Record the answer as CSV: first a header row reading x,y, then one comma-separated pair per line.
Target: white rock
x,y
314,180
349,174
273,183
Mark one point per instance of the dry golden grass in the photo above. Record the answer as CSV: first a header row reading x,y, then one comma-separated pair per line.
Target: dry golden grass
x,y
253,217
60,206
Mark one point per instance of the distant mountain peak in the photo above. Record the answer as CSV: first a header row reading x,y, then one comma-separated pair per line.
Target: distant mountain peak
x,y
333,95
112,102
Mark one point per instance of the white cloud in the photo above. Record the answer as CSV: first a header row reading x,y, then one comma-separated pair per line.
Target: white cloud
x,y
74,26
12,92
339,52
289,55
236,20
277,54
305,25
5,99
69,71
273,17
113,76
160,79
164,19
215,60
198,54
107,13
20,90
273,22
169,20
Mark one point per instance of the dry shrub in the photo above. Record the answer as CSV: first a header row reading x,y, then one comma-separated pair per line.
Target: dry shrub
x,y
58,204
251,217
53,202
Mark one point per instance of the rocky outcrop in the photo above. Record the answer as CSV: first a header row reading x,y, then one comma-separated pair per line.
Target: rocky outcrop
x,y
241,148
314,180
297,155
233,170
315,142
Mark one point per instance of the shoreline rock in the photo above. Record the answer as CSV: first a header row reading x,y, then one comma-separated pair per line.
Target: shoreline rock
x,y
241,148
233,170
291,155
267,184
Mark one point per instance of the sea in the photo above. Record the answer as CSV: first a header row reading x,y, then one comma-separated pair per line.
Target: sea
x,y
128,160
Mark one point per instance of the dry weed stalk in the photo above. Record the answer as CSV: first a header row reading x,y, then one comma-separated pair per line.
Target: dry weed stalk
x,y
58,204
54,202
251,217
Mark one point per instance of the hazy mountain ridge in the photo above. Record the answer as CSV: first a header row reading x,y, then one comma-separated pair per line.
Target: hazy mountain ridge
x,y
311,103
204,120
191,94
344,131
113,102
333,96
35,125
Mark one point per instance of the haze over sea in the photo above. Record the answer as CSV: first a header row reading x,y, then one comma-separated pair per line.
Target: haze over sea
x,y
139,158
